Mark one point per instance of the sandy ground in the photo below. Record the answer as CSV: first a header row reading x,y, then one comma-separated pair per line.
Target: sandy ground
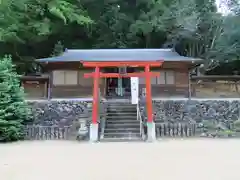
x,y
166,160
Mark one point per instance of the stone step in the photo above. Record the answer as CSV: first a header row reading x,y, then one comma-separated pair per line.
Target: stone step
x,y
121,121
110,139
121,105
122,135
123,102
121,110
119,118
122,125
121,113
125,109
123,116
122,130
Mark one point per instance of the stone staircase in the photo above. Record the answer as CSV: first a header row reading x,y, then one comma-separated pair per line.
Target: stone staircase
x,y
121,122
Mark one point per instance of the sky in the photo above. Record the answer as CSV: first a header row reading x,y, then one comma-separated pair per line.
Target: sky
x,y
222,8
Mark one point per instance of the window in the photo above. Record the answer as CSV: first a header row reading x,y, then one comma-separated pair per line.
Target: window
x,y
166,77
58,77
65,77
170,77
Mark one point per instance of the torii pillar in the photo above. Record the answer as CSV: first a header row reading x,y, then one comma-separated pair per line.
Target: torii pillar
x,y
151,132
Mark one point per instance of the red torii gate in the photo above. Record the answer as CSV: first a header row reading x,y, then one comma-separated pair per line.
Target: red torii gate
x,y
97,74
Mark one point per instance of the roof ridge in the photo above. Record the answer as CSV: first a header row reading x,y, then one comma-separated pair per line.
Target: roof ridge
x,y
72,55
119,49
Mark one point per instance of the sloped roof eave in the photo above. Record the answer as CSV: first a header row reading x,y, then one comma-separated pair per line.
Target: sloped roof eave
x,y
119,55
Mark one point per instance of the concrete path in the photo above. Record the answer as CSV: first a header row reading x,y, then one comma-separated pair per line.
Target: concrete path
x,y
163,160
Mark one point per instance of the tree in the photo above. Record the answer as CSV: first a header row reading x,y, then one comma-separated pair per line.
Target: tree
x,y
35,20
194,28
31,28
29,25
14,113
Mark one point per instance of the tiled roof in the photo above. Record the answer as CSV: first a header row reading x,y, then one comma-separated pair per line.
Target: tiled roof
x,y
74,55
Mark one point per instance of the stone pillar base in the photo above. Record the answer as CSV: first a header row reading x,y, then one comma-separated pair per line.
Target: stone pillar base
x,y
93,133
151,132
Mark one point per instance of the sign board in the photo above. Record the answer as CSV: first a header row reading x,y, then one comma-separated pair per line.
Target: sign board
x,y
134,89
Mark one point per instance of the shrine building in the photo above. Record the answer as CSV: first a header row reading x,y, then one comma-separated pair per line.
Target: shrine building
x,y
105,74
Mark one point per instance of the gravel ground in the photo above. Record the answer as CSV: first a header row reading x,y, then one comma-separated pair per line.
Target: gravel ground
x,y
204,159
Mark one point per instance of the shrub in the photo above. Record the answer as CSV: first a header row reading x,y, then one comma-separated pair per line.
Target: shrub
x,y
14,112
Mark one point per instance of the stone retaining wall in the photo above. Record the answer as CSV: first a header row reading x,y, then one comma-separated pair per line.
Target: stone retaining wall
x,y
211,117
60,115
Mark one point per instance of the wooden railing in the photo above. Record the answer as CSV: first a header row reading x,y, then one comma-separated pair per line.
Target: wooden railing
x,y
141,122
36,132
175,130
168,129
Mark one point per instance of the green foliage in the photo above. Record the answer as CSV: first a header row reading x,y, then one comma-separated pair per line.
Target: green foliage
x,y
68,12
26,20
193,27
14,112
226,133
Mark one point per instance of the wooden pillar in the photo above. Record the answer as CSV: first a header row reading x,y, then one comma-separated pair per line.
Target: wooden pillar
x,y
50,85
148,94
48,89
45,91
189,85
95,96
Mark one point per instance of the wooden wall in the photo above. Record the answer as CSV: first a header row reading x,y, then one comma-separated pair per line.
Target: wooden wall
x,y
84,87
35,89
178,88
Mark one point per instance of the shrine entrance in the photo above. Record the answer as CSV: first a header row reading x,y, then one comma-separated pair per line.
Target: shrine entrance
x,y
147,74
118,87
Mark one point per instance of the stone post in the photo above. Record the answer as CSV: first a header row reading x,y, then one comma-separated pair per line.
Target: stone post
x,y
93,133
151,132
